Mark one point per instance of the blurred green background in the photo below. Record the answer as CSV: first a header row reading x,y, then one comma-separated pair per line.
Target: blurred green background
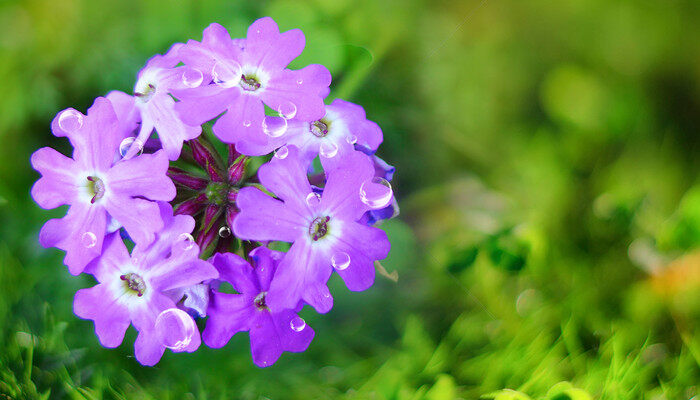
x,y
547,169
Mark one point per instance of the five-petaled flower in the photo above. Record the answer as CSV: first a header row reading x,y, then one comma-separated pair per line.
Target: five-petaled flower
x,y
247,75
271,331
152,106
102,189
323,229
137,288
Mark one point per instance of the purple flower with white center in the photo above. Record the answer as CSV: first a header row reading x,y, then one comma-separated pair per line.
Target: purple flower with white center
x,y
153,107
323,229
134,290
272,331
101,189
247,75
343,127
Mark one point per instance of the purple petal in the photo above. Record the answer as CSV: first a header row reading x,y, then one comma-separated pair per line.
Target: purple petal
x,y
124,108
173,234
266,47
236,271
181,270
202,104
264,218
301,275
342,191
96,143
287,179
141,218
228,315
111,318
171,130
145,313
265,345
147,348
368,133
144,175
58,184
363,244
285,88
291,339
79,234
265,262
114,256
243,120
197,298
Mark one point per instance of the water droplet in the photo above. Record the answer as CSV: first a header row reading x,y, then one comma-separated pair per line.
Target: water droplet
x,y
328,149
297,324
300,81
376,192
246,123
282,152
352,139
287,110
187,241
313,199
226,74
126,144
175,329
340,261
70,121
89,240
192,77
224,232
274,127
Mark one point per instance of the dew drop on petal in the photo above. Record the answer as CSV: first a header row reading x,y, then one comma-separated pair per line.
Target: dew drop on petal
x,y
287,110
126,144
70,121
300,81
246,123
328,149
89,240
192,77
224,232
376,192
226,74
186,240
282,152
297,324
174,329
313,199
274,127
340,261
352,139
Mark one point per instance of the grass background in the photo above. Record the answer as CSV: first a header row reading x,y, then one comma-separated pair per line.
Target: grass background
x,y
547,169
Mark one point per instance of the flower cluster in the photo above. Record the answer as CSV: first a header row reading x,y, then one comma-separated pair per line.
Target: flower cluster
x,y
220,158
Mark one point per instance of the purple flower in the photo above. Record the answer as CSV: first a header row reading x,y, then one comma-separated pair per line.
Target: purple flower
x,y
324,229
102,190
133,290
153,107
334,136
248,74
272,331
